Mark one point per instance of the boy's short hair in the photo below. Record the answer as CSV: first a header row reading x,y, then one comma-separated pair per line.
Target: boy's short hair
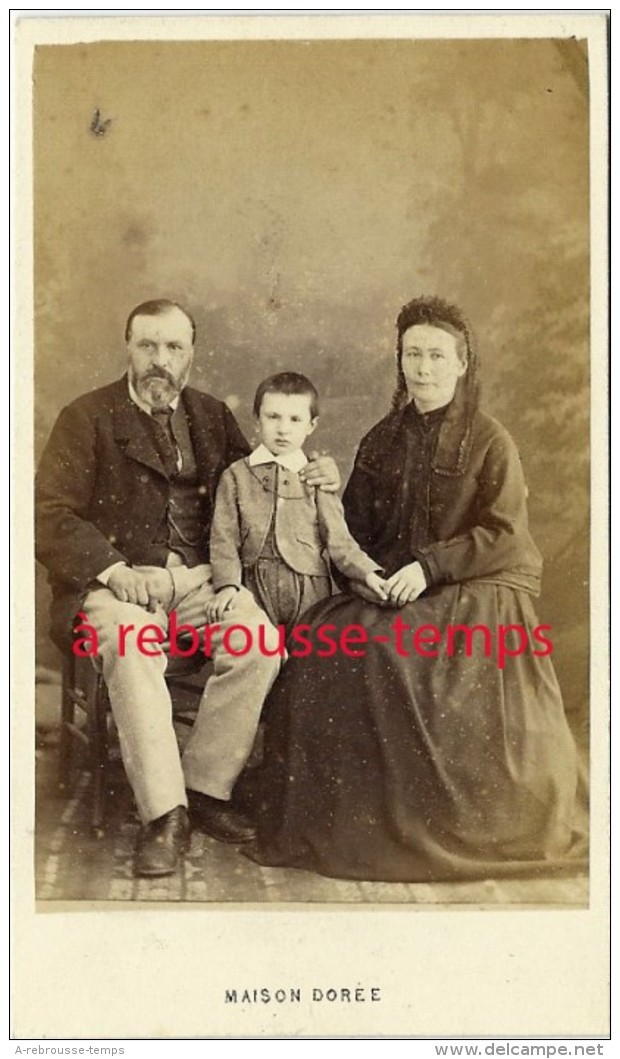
x,y
288,382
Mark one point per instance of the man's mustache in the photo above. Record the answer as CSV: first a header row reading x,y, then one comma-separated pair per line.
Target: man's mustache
x,y
159,373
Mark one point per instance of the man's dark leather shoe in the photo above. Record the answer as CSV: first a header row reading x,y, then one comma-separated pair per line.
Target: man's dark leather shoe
x,y
162,843
219,819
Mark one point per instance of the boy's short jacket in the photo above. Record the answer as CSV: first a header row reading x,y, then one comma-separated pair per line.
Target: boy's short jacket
x,y
310,527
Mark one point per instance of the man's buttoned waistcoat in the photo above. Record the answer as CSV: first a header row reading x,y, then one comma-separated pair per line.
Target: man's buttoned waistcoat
x,y
102,490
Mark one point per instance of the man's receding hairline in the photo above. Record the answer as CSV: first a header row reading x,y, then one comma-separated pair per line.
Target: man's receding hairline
x,y
164,312
157,307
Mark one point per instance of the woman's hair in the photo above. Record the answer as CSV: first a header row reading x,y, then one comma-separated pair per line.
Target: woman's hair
x,y
436,313
288,382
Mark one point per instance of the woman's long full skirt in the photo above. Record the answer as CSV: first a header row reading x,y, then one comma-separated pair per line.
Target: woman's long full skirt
x,y
387,767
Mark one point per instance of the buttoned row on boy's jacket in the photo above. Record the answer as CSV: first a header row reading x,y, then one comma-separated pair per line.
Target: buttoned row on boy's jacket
x,y
310,528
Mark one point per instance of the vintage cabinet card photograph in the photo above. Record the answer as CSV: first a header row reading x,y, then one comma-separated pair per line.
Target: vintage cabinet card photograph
x,y
310,711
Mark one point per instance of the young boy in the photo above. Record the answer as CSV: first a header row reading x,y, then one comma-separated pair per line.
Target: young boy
x,y
270,532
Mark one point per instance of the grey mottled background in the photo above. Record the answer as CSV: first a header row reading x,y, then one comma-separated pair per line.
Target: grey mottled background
x,y
294,195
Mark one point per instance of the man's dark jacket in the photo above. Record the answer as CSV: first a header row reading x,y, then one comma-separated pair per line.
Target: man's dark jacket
x,y
102,491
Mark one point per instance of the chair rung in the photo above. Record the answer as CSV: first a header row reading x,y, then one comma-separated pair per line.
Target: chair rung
x,y
73,728
185,685
78,700
185,718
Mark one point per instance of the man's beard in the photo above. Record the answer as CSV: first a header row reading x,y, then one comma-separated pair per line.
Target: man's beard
x,y
157,387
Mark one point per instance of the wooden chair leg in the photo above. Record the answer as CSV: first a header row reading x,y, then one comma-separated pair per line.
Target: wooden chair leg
x,y
99,753
67,717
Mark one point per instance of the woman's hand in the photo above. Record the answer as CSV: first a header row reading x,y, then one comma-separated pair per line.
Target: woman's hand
x,y
321,471
225,601
406,584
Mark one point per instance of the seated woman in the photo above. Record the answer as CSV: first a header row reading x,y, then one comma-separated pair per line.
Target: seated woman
x,y
444,752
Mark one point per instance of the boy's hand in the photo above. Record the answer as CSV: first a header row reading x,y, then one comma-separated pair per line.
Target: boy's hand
x,y
361,589
321,471
224,602
377,585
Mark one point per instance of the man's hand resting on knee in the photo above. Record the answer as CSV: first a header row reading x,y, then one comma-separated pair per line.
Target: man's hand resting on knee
x,y
150,589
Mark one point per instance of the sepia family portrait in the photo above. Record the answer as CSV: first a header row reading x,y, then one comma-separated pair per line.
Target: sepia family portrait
x,y
312,323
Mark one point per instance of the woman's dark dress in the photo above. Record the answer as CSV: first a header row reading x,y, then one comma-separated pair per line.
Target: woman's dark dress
x,y
426,768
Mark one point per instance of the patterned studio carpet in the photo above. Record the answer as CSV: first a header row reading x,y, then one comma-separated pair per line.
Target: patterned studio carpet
x,y
75,865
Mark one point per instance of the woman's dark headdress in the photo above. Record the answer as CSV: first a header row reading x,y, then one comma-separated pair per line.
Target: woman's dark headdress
x,y
438,313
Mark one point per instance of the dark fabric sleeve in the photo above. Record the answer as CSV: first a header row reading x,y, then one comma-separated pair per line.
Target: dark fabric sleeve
x,y
67,543
426,569
236,445
500,538
358,501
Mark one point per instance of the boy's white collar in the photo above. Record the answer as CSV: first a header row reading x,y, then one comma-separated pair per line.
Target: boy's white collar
x,y
292,461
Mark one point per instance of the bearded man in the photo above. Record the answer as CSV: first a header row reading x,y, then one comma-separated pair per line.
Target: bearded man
x,y
125,494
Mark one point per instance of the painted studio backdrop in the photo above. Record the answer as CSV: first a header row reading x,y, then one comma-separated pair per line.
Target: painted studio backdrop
x,y
294,195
